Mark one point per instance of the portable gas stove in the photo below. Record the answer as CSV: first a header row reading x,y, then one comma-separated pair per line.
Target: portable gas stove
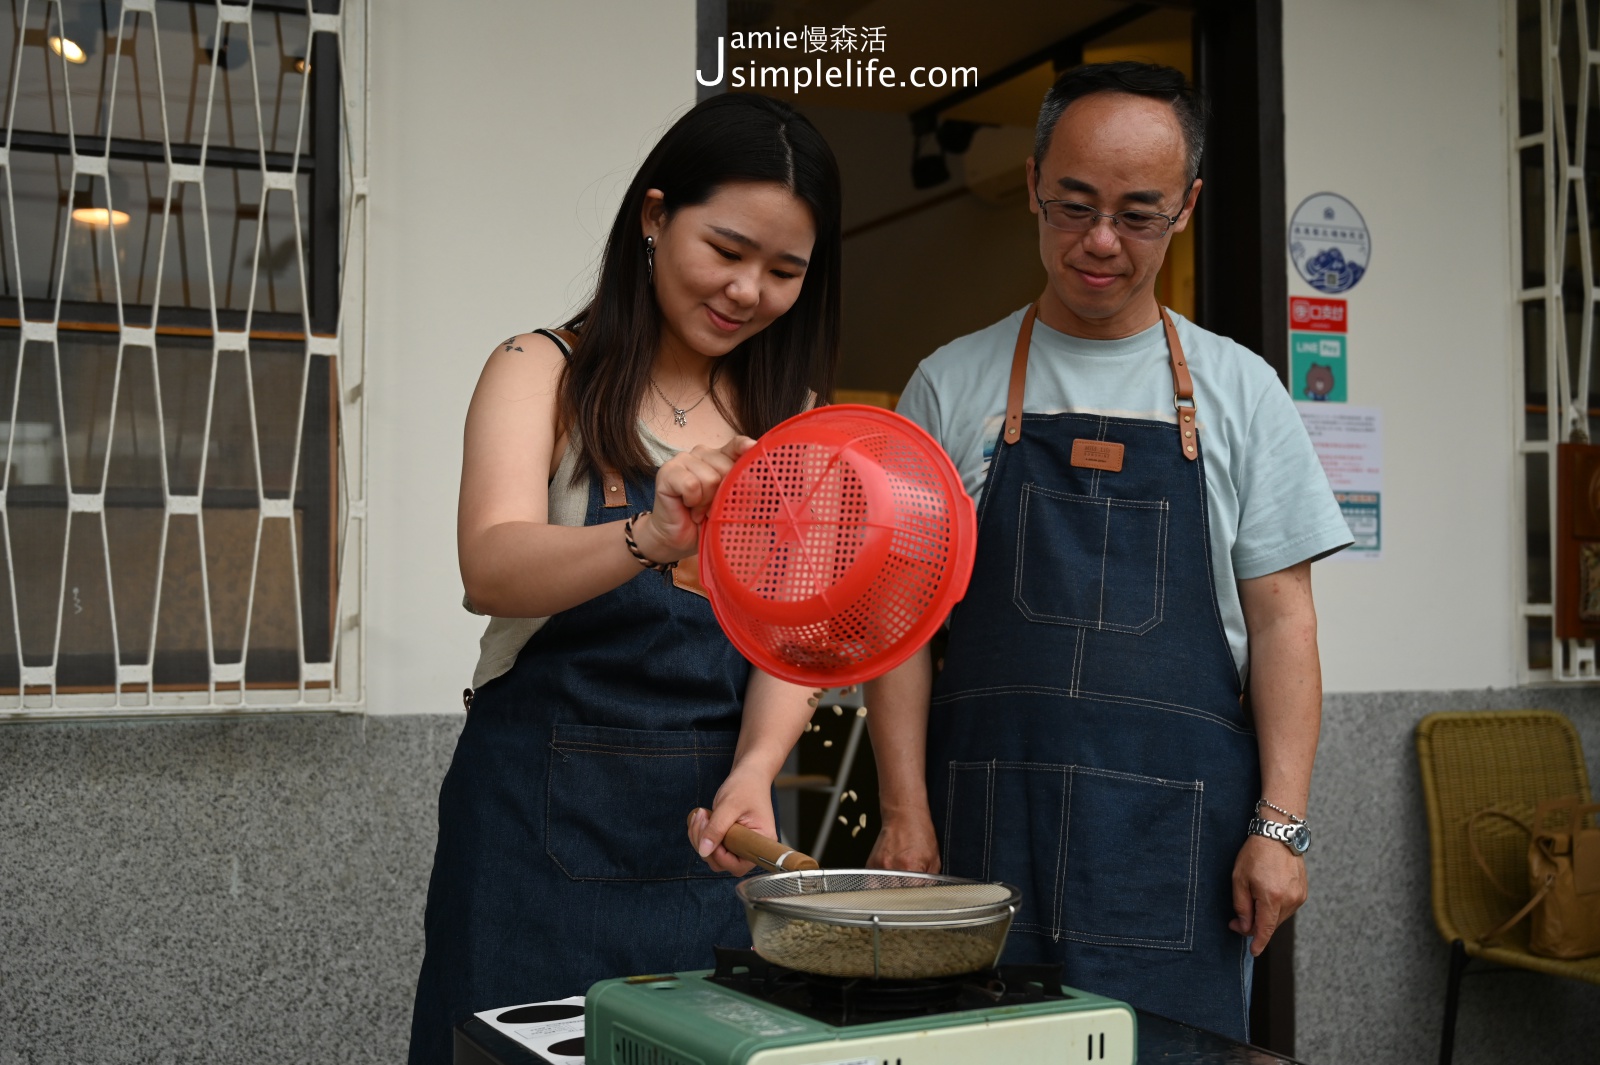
x,y
750,1012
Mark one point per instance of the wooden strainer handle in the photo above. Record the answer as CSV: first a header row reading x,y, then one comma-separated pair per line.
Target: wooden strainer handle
x,y
752,846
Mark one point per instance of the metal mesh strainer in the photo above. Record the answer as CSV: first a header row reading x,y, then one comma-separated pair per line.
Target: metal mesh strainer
x,y
878,924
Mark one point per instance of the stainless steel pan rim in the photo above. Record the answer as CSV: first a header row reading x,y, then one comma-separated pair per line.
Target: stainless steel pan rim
x,y
847,919
806,881
780,905
791,894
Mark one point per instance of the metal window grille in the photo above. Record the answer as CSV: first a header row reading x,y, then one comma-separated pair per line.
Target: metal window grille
x,y
1555,184
182,355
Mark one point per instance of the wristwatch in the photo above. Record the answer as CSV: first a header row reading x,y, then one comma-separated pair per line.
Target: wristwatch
x,y
1296,837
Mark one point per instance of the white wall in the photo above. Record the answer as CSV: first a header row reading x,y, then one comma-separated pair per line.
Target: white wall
x,y
503,135
1398,105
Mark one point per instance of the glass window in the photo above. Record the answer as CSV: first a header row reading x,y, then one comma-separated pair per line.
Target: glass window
x,y
175,506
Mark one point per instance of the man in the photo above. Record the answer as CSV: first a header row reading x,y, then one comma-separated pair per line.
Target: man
x,y
1149,510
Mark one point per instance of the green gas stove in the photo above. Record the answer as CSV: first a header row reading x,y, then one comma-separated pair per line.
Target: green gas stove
x,y
747,1012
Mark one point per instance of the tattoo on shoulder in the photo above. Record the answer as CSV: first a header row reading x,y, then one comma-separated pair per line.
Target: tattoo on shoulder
x,y
510,344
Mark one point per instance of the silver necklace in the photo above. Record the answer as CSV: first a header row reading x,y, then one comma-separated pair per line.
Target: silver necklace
x,y
679,414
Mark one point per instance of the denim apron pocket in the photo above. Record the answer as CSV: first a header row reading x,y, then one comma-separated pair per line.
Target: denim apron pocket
x,y
1132,856
617,799
988,802
1091,561
1119,868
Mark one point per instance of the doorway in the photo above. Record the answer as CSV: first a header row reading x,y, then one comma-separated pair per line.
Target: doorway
x,y
938,238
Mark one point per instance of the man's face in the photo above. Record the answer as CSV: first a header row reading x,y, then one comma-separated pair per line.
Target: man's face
x,y
1114,152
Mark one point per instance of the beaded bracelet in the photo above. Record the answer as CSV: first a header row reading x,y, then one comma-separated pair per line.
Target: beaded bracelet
x,y
1274,806
633,547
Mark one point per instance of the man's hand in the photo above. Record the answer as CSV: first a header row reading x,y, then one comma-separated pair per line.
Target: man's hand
x,y
906,844
1269,884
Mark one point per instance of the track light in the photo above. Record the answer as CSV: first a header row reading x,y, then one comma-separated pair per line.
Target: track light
x,y
928,166
929,171
955,136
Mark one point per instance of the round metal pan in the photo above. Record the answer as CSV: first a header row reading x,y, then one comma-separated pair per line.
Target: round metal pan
x,y
868,923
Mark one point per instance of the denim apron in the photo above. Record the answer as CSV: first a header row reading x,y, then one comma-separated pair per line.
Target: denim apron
x,y
1086,739
562,857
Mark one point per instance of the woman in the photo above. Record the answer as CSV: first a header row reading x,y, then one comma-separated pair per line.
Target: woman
x,y
591,456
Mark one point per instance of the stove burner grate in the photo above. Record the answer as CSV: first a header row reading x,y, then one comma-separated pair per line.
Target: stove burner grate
x,y
885,996
841,1001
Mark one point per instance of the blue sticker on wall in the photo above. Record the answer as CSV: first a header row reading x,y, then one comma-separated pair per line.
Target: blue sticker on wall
x,y
1329,242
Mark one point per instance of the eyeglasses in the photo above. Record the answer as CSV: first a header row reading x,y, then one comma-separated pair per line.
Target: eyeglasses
x,y
1070,216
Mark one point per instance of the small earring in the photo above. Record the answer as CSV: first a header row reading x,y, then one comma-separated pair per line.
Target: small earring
x,y
650,259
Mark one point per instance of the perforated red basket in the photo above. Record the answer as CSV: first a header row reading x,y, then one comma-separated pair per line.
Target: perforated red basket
x,y
836,546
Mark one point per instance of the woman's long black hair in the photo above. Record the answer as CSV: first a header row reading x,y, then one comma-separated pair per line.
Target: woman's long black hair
x,y
724,139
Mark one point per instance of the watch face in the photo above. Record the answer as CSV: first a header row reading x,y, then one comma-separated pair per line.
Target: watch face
x,y
1300,839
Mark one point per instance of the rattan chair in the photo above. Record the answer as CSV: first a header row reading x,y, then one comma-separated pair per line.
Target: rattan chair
x,y
1512,760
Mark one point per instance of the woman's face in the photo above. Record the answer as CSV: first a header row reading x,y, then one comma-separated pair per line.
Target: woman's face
x,y
726,268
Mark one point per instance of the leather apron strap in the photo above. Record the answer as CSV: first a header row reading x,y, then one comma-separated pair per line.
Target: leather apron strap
x,y
1182,384
1182,390
1019,376
616,489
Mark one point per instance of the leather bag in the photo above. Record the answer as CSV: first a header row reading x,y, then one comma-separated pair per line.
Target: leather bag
x,y
1563,879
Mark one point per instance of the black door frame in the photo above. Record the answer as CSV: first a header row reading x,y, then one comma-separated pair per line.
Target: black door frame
x,y
1241,230
1240,234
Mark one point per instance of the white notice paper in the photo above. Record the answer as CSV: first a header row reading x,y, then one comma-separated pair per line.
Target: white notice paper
x,y
1349,441
553,1030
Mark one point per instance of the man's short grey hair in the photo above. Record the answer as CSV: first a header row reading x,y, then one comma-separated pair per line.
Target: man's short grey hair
x,y
1134,79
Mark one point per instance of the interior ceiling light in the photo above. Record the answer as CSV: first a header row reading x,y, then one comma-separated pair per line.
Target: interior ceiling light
x,y
91,210
99,216
68,49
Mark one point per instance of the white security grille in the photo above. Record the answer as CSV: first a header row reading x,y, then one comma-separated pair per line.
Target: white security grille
x,y
1555,181
182,355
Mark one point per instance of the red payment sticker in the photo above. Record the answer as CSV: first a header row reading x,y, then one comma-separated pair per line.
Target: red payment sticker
x,y
1316,314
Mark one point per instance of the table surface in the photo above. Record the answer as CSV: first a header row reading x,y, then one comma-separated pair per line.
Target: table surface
x,y
1161,1042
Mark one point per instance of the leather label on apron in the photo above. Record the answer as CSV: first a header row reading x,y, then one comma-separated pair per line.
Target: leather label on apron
x,y
686,575
1097,455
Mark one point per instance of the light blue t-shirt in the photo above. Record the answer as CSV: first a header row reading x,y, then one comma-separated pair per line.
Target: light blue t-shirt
x,y
1269,502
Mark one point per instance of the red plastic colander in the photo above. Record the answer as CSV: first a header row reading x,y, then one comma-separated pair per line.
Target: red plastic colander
x,y
837,545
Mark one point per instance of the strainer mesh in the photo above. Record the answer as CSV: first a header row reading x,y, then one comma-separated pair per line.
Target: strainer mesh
x,y
827,497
